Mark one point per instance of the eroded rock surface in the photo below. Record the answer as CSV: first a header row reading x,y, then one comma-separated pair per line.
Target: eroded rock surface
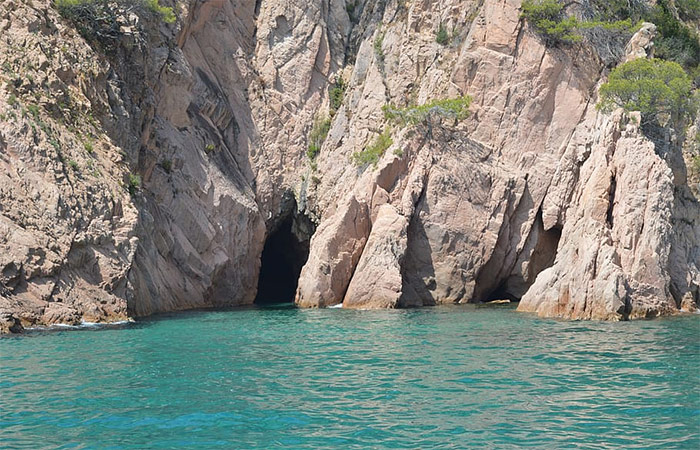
x,y
147,177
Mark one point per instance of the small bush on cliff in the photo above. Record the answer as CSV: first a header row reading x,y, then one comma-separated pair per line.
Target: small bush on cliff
x,y
659,89
451,108
319,132
133,183
547,17
696,164
442,36
167,165
77,7
612,10
336,94
379,50
101,20
372,153
350,8
425,117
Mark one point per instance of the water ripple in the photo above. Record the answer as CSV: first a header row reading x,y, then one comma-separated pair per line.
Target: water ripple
x,y
441,378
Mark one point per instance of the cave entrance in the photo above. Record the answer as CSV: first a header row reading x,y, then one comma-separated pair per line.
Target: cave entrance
x,y
285,253
516,284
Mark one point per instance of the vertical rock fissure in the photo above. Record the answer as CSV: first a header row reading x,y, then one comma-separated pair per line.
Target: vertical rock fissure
x,y
611,202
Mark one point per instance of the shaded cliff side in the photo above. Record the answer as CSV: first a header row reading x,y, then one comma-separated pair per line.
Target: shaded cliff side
x,y
146,175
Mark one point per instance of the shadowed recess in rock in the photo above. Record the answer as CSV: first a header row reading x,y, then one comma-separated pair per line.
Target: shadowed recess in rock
x,y
542,257
285,253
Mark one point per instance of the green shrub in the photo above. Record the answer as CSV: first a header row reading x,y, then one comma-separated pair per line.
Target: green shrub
x,y
336,93
442,36
33,110
88,147
350,8
133,183
167,165
626,25
675,41
453,108
12,100
378,50
166,13
319,132
656,88
688,9
548,19
72,8
372,153
73,164
209,148
613,10
696,164
99,20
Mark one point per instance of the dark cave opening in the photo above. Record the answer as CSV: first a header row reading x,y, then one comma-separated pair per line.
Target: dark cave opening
x,y
542,257
503,292
284,254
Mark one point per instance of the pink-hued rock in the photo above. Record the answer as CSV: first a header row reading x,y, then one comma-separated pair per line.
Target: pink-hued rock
x,y
325,277
536,195
614,259
377,280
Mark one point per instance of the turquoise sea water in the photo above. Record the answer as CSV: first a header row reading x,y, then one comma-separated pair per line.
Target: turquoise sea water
x,y
447,378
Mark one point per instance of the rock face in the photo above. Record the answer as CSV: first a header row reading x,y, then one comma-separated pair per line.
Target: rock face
x,y
619,256
146,176
68,230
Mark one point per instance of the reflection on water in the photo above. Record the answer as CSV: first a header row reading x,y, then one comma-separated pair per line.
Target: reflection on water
x,y
452,377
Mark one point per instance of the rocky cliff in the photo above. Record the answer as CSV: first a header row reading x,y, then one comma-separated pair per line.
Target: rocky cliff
x,y
147,173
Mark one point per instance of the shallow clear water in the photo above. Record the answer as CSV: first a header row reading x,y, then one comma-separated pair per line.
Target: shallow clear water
x,y
287,378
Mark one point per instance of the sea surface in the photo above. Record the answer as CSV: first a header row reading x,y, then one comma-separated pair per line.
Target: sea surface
x,y
280,377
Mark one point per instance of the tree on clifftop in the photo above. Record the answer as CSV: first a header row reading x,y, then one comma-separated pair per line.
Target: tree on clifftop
x,y
660,90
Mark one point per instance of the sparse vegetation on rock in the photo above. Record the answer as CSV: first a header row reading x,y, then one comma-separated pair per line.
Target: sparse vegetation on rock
x,y
374,151
102,20
442,37
336,93
167,165
319,131
549,19
676,41
451,108
133,183
379,50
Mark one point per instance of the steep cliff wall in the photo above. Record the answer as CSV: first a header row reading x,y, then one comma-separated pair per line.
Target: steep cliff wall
x,y
536,195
